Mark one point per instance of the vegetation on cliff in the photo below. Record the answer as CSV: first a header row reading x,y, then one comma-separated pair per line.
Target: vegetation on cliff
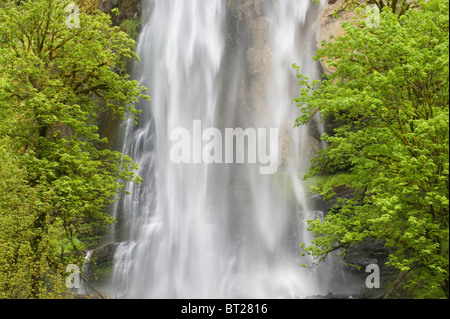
x,y
398,7
390,96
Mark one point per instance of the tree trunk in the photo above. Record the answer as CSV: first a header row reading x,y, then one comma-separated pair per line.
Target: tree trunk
x,y
394,285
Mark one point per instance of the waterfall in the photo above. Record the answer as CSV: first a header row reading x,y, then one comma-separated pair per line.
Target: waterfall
x,y
217,230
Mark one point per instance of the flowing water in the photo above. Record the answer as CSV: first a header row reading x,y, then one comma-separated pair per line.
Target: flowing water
x,y
199,230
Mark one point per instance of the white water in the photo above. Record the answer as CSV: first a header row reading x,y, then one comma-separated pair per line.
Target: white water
x,y
218,230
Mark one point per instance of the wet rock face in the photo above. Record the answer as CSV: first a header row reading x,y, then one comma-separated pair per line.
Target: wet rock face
x,y
104,253
98,268
128,9
371,251
248,27
248,24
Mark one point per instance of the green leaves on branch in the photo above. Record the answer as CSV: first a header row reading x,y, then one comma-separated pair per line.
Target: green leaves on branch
x,y
54,81
389,96
397,7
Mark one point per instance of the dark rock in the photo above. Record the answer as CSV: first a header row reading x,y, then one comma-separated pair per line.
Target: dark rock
x,y
343,190
104,253
316,203
336,296
128,9
371,252
97,271
368,252
358,257
139,28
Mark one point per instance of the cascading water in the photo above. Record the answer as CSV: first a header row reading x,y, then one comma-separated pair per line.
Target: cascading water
x,y
216,230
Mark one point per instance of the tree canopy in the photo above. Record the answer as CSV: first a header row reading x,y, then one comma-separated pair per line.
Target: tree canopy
x,y
55,78
389,99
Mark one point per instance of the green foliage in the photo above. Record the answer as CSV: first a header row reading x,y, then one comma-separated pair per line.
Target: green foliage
x,y
398,7
129,26
53,82
88,6
390,92
20,204
329,181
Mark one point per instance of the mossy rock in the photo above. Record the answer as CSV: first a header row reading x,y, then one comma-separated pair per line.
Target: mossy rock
x,y
101,264
130,27
128,10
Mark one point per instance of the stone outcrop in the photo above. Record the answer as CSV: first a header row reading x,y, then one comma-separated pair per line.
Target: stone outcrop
x,y
331,26
247,27
98,269
128,10
105,253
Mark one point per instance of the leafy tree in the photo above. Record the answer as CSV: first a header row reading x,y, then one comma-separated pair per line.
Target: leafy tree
x,y
56,74
20,204
390,95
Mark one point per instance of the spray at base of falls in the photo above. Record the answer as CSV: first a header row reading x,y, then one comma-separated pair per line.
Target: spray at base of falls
x,y
217,230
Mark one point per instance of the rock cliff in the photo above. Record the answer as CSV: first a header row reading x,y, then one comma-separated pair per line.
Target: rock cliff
x,y
330,25
128,9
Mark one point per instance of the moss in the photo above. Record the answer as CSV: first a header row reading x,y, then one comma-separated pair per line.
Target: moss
x,y
230,43
87,6
103,269
333,180
99,272
130,26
